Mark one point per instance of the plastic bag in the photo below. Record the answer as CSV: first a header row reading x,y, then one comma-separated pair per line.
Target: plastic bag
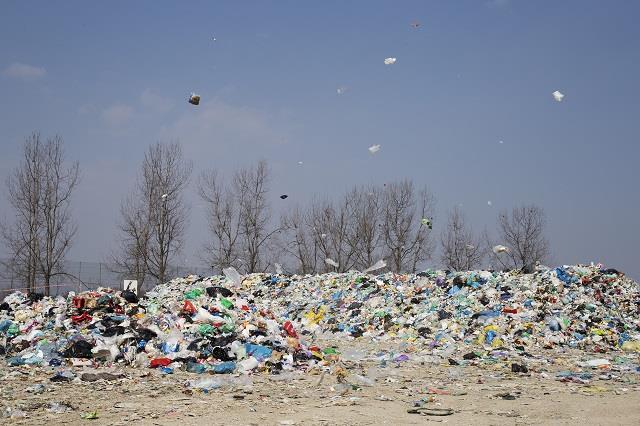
x,y
233,275
378,265
331,262
500,249
194,99
558,96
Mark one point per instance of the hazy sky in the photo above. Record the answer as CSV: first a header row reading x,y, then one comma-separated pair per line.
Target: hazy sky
x,y
114,77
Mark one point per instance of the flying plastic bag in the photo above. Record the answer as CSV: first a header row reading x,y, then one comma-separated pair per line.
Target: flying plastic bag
x,y
374,148
389,61
427,222
331,262
194,99
500,249
378,265
557,95
232,275
278,268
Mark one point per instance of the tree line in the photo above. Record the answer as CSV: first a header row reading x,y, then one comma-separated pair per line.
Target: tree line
x,y
392,222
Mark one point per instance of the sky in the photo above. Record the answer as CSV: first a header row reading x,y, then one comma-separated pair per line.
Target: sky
x,y
112,78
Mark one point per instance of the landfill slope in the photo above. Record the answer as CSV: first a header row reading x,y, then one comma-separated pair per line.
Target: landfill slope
x,y
347,334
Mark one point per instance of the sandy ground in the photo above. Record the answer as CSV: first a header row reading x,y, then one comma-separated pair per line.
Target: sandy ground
x,y
483,394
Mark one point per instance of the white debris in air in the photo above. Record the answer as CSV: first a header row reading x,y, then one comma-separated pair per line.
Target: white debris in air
x,y
389,61
374,148
378,265
489,203
341,90
500,249
557,95
164,196
331,262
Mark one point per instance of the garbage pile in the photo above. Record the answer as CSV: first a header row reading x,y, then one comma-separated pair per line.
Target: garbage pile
x,y
275,323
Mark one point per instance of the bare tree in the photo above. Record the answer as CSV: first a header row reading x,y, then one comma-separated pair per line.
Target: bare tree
x,y
461,250
299,242
522,232
154,219
24,191
40,192
365,231
406,241
131,257
223,220
239,219
331,227
58,229
251,187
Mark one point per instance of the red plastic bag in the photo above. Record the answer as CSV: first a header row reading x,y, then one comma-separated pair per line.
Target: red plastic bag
x,y
160,362
188,307
77,319
288,327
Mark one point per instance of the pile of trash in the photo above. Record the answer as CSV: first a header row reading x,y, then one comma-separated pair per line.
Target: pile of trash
x,y
276,324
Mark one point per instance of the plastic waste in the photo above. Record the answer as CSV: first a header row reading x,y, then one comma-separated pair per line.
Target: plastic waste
x,y
500,249
558,96
331,262
378,265
220,382
59,407
233,275
374,148
194,99
390,61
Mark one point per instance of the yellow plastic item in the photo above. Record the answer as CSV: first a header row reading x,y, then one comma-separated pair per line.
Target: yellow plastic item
x,y
631,346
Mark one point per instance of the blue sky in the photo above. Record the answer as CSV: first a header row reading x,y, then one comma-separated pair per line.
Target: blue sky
x,y
113,77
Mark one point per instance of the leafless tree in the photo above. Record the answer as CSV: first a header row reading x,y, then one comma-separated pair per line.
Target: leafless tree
x,y
251,186
522,232
40,191
461,250
132,253
406,241
154,219
223,220
331,226
58,229
365,230
298,241
239,217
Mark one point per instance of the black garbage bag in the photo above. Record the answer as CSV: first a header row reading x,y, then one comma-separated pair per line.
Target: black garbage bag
x,y
35,297
129,296
214,291
79,349
221,354
145,334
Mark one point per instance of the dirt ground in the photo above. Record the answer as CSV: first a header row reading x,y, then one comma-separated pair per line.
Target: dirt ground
x,y
482,394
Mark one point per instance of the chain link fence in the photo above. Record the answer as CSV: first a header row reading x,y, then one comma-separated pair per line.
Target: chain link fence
x,y
85,276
